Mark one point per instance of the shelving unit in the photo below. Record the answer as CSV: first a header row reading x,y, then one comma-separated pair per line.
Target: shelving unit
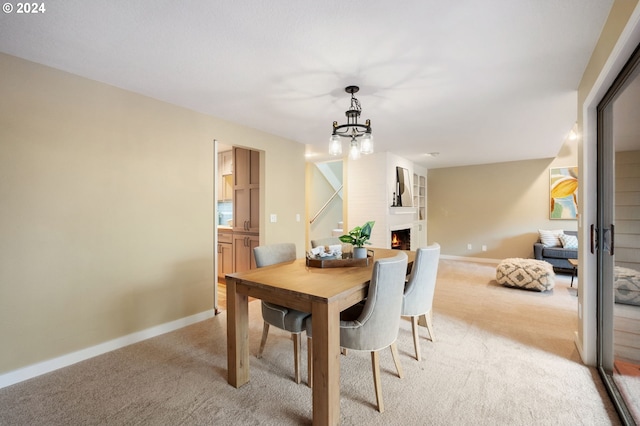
x,y
419,195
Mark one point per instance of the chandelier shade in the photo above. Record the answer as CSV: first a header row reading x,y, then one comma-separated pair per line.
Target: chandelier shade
x,y
361,139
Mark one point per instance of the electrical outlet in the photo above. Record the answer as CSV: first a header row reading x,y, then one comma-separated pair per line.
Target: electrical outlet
x,y
274,218
297,217
469,247
484,248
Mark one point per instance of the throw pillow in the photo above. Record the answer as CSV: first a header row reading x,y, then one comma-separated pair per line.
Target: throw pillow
x,y
569,241
550,238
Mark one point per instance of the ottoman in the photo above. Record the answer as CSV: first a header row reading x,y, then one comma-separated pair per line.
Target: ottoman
x,y
529,274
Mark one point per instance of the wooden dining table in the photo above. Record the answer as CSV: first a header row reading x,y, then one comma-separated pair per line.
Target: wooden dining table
x,y
324,292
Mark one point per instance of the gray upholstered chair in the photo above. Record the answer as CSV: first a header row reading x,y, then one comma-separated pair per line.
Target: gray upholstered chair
x,y
374,325
418,291
328,241
279,316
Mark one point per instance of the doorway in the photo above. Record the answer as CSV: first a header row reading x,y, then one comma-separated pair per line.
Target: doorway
x,y
616,240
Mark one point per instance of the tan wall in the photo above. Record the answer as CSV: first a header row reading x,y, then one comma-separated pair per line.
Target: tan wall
x,y
499,205
618,17
106,207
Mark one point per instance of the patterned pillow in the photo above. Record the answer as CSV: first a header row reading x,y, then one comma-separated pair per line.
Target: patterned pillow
x,y
550,238
569,241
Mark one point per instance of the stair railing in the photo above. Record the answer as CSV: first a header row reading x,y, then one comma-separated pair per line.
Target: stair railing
x,y
326,204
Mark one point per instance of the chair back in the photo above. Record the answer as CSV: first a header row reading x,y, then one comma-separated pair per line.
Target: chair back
x,y
377,325
327,241
271,254
419,290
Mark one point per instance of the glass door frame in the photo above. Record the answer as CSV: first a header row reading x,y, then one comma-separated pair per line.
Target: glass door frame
x,y
602,235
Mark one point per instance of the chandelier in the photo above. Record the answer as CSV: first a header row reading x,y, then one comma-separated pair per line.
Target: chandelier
x,y
361,140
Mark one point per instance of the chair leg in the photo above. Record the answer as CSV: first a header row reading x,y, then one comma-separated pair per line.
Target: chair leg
x,y
416,336
297,342
396,359
428,317
265,333
309,362
375,365
426,320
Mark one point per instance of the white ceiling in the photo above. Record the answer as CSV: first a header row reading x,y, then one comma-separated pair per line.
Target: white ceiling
x,y
479,81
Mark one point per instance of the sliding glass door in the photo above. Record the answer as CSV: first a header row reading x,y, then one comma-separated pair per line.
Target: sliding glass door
x,y
616,238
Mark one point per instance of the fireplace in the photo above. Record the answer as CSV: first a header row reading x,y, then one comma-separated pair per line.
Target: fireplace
x,y
401,239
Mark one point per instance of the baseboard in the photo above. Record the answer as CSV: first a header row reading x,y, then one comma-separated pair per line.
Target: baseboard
x,y
578,343
471,259
48,366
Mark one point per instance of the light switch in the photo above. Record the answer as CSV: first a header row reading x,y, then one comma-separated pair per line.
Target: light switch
x,y
297,217
274,218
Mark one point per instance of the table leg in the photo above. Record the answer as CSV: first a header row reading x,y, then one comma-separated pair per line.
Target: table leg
x,y
575,269
237,335
326,364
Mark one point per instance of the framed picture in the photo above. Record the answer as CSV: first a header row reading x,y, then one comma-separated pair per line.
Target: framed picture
x,y
403,188
563,192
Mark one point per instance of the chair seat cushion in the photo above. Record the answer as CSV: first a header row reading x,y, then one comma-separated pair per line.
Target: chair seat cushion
x,y
529,274
284,318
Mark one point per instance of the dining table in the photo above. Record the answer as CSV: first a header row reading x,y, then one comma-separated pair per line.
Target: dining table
x,y
322,291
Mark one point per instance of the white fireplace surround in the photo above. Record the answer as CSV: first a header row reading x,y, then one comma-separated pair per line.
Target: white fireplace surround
x,y
370,197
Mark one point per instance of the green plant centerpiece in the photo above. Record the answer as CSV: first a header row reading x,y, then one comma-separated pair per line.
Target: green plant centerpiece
x,y
358,237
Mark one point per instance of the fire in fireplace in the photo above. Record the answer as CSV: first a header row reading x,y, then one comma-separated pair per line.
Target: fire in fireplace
x,y
401,239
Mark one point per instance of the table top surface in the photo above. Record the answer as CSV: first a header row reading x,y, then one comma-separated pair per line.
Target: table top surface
x,y
573,262
317,283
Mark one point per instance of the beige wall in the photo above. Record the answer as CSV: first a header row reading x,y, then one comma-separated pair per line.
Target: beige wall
x,y
499,205
106,210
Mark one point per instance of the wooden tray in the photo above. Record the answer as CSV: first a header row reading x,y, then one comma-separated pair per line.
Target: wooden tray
x,y
340,263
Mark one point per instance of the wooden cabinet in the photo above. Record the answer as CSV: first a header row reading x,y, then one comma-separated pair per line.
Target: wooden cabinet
x,y
226,162
225,176
246,190
243,245
225,254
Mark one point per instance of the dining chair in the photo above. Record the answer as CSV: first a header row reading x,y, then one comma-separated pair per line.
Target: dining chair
x,y
374,325
282,317
327,241
417,300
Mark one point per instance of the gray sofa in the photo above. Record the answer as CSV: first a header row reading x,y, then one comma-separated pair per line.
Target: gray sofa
x,y
556,256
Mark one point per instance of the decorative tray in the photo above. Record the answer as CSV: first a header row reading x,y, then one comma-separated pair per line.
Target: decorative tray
x,y
333,262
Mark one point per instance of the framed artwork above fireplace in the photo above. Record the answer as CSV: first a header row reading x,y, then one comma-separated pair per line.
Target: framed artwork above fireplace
x,y
403,188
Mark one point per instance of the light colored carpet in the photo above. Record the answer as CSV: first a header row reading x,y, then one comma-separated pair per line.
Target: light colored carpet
x,y
502,356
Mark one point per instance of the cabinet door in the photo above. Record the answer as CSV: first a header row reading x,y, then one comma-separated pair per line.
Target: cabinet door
x,y
225,176
226,162
225,259
246,190
243,258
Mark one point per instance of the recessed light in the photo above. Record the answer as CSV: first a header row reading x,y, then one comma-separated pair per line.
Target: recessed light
x,y
432,154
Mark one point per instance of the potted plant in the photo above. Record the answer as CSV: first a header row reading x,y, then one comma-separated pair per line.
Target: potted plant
x,y
359,236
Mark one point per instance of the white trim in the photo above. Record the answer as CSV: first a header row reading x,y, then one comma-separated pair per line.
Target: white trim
x,y
620,54
34,370
470,259
401,227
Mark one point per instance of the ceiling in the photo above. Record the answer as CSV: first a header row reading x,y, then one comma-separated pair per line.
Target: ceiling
x,y
476,81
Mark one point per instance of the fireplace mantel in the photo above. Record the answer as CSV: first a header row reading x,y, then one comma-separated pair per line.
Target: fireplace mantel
x,y
402,210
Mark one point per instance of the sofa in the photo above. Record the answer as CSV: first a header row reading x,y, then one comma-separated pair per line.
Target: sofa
x,y
556,247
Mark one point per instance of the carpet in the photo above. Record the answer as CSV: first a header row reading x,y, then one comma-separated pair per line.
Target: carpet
x,y
502,356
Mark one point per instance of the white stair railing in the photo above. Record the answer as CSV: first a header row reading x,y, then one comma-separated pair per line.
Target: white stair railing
x,y
326,204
